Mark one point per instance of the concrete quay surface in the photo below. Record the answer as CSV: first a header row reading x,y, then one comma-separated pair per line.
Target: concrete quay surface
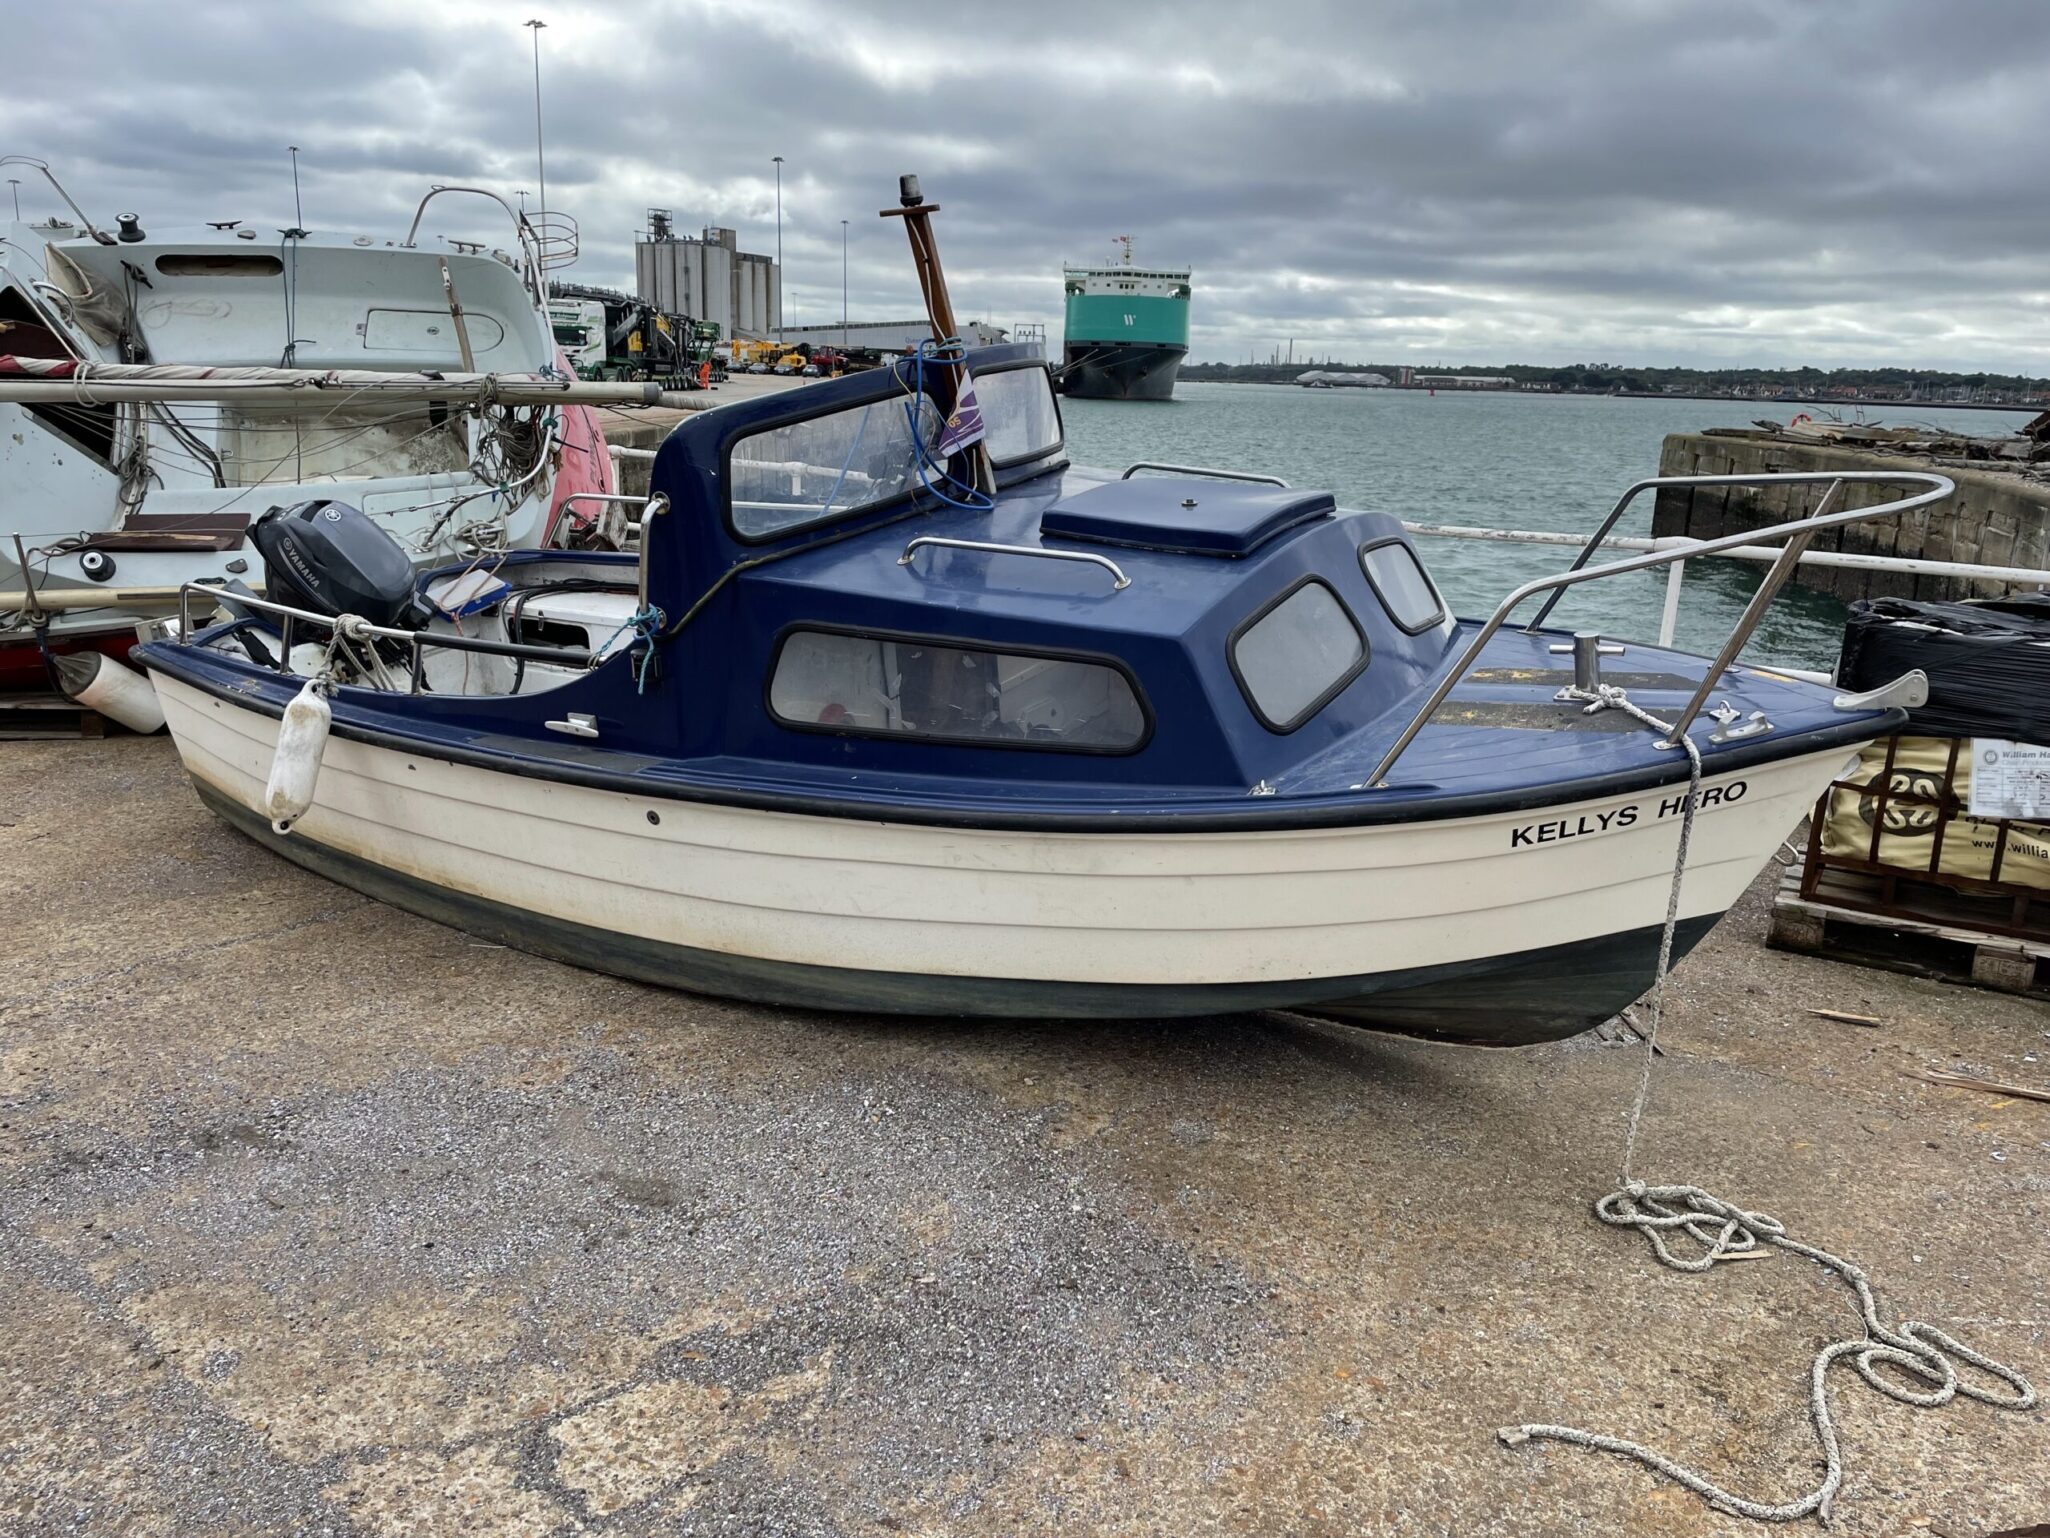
x,y
318,1218
644,427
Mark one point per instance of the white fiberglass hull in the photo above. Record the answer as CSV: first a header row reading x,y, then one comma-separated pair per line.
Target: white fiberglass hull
x,y
1508,928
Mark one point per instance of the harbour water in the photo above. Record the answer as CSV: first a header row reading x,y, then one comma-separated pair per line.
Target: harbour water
x,y
1500,459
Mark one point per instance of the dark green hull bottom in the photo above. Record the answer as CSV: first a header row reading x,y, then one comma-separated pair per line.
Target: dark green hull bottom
x,y
1497,1001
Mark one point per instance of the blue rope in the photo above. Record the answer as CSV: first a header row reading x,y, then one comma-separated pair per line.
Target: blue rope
x,y
930,352
646,624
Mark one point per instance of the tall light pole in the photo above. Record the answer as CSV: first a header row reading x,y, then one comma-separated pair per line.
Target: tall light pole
x,y
843,288
779,246
540,160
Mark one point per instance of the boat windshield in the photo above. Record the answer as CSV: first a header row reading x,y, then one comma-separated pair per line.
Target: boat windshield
x,y
793,475
1024,421
803,473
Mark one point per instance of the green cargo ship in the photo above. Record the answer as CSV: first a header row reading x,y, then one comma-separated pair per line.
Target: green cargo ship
x,y
1127,330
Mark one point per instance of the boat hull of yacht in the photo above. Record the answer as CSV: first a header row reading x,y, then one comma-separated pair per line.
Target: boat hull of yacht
x,y
1507,928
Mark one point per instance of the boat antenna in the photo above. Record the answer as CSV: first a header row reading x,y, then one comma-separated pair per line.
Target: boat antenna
x,y
298,211
939,307
1126,242
540,159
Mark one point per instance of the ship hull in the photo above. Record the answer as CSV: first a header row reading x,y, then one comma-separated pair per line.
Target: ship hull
x,y
1121,371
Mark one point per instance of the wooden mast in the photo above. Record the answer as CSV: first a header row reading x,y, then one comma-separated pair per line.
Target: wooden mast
x,y
939,306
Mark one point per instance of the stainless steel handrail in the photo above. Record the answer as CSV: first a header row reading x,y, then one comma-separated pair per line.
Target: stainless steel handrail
x,y
519,220
604,496
50,176
1118,585
530,239
658,504
1782,478
618,535
1797,533
1220,475
416,639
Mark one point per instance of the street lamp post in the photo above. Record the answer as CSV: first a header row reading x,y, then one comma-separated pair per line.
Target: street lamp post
x,y
779,246
843,288
540,160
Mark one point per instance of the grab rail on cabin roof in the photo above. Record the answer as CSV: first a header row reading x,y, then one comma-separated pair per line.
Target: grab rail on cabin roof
x,y
936,542
1221,475
1797,533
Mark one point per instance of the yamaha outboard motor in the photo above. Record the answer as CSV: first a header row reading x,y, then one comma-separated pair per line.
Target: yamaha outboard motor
x,y
332,558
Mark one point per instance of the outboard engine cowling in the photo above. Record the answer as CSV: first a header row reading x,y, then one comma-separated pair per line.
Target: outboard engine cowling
x,y
333,559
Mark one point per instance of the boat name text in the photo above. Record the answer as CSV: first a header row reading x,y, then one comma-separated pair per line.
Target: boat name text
x,y
1562,828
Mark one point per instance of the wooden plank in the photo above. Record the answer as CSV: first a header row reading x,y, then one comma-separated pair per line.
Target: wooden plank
x,y
1901,942
45,718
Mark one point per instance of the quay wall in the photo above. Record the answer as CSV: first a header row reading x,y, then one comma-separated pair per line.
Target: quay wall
x,y
1995,519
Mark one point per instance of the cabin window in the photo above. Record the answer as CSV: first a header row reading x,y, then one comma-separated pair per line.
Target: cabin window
x,y
1404,588
1019,411
825,467
888,686
1294,657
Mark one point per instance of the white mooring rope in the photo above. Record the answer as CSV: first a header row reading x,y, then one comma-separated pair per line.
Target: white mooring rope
x,y
1725,1231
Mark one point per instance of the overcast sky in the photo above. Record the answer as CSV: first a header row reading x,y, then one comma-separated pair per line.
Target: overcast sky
x,y
1642,181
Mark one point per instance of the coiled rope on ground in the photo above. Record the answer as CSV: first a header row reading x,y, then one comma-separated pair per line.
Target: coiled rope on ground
x,y
1724,1231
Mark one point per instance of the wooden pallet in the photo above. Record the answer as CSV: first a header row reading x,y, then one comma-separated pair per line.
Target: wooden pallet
x,y
1931,938
32,717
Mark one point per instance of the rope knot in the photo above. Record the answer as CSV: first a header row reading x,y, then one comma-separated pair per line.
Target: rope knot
x,y
646,623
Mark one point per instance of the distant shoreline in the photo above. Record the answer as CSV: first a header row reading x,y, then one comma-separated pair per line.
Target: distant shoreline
x,y
1649,395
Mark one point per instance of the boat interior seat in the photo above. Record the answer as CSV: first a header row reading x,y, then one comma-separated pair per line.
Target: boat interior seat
x,y
1189,515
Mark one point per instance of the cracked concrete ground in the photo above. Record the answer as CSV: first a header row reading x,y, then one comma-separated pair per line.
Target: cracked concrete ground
x,y
318,1218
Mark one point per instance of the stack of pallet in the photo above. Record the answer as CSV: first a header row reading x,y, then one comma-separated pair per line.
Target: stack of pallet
x,y
1932,852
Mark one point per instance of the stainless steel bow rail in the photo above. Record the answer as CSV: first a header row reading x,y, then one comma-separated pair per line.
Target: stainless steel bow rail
x,y
1798,534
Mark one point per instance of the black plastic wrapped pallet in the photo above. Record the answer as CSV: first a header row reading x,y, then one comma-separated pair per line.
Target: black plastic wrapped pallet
x,y
1988,662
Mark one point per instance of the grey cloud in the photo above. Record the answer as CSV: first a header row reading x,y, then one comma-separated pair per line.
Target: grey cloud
x,y
1653,180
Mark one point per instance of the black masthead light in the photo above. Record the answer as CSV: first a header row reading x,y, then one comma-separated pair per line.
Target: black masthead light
x,y
908,193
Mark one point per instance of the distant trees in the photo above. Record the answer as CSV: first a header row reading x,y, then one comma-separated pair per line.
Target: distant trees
x,y
1603,378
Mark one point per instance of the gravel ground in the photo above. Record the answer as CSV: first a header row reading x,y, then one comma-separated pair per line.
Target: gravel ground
x,y
318,1218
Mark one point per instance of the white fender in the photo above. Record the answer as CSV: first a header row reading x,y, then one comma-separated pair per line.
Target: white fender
x,y
295,769
117,692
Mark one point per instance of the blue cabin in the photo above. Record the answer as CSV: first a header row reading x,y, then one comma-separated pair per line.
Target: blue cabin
x,y
1191,635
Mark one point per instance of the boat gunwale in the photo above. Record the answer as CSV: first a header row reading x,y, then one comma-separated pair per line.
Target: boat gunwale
x,y
248,687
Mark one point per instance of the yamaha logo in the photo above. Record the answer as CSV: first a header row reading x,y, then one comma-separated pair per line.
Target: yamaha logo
x,y
332,515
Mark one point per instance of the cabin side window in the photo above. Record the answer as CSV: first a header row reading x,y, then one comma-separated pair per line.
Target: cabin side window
x,y
888,686
1293,658
1023,421
1404,588
803,473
